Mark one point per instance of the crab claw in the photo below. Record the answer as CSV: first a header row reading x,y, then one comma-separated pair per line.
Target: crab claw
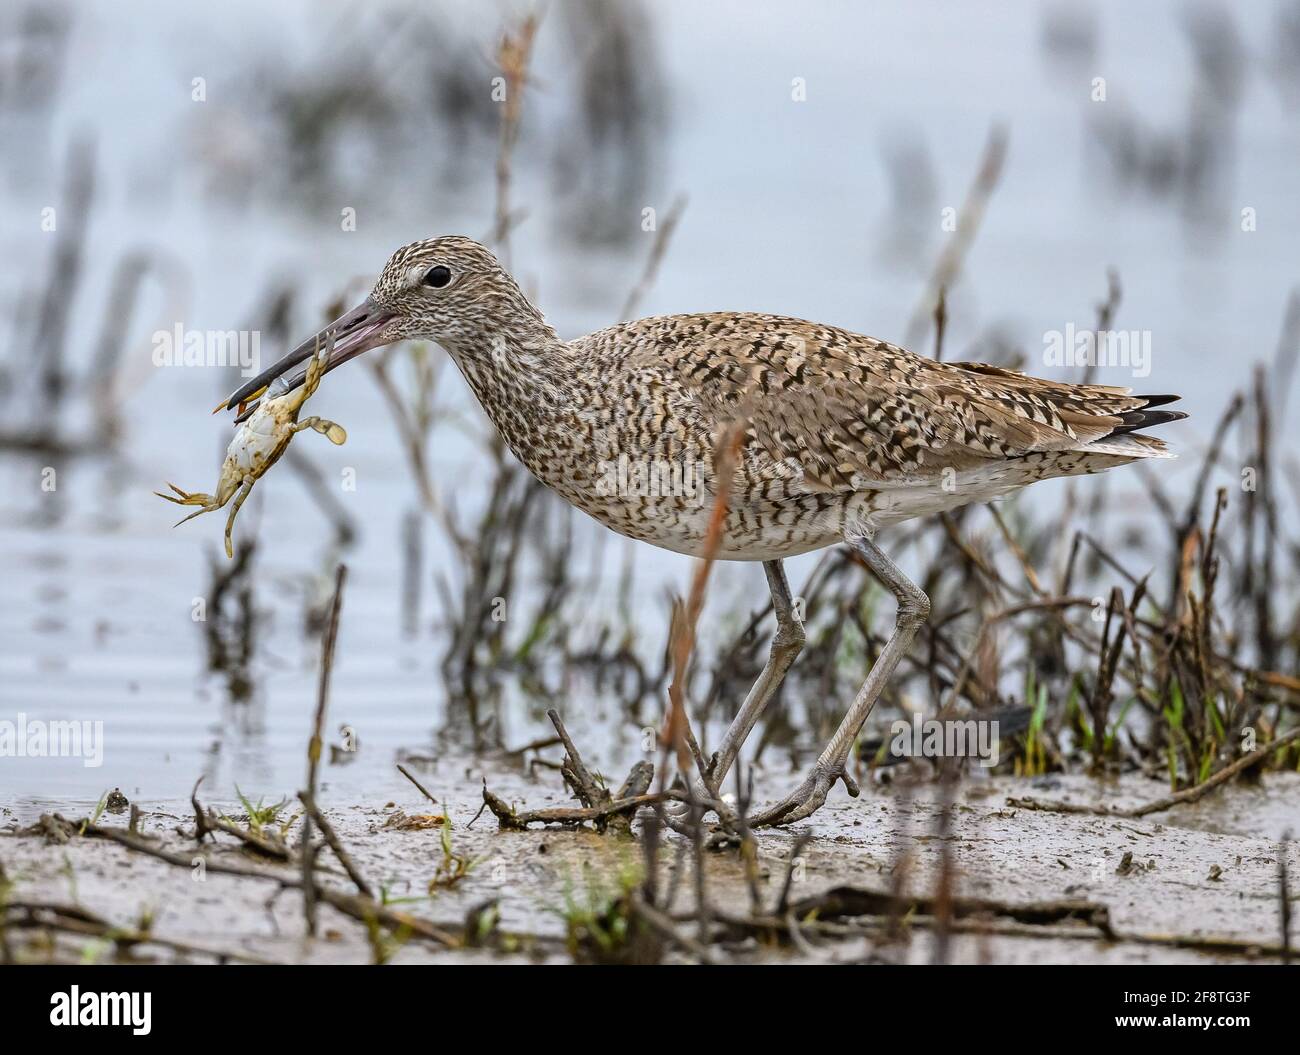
x,y
188,498
206,503
184,495
243,403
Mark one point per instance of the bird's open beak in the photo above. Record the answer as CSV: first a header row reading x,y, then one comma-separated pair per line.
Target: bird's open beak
x,y
351,334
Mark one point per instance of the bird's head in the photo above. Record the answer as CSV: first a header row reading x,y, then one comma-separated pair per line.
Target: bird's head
x,y
451,290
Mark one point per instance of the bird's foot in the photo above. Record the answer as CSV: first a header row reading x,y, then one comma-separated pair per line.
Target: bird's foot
x,y
705,801
808,797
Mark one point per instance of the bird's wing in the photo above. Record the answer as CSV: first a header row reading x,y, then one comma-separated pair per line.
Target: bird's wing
x,y
850,411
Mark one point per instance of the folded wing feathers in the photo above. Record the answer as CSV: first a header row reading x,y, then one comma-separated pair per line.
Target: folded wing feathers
x,y
843,409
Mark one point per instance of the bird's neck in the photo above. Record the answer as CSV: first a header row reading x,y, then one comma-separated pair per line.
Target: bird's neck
x,y
520,373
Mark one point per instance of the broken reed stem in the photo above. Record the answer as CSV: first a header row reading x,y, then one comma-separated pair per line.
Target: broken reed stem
x,y
677,734
748,845
271,847
1284,896
532,745
55,306
663,235
309,888
6,950
947,866
335,844
940,322
948,266
569,816
588,788
667,929
1169,801
703,912
879,931
201,826
787,885
1105,316
72,919
412,441
422,789
361,908
513,56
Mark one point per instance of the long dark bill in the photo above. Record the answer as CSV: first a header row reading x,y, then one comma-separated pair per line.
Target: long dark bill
x,y
355,332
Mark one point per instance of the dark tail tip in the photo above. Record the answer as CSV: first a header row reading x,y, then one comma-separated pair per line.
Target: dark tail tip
x,y
1145,418
1159,401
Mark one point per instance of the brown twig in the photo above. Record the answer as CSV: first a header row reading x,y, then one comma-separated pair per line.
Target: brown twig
x,y
1284,896
335,844
948,266
314,745
73,919
422,789
358,907
1168,801
663,235
570,817
513,56
586,788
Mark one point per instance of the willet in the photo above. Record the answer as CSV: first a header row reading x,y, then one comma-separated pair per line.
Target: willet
x,y
842,435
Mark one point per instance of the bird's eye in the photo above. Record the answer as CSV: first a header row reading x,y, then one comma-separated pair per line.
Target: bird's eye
x,y
438,276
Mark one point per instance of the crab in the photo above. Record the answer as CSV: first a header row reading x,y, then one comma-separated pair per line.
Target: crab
x,y
258,444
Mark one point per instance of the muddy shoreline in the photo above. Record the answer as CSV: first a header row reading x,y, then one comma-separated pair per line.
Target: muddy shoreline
x,y
1206,871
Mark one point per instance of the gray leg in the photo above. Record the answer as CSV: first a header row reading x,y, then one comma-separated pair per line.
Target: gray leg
x,y
785,647
913,609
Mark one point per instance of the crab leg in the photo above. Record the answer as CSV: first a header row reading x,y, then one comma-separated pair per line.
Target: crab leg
x,y
332,431
230,520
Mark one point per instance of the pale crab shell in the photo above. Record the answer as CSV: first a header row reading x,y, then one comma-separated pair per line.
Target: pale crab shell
x,y
256,444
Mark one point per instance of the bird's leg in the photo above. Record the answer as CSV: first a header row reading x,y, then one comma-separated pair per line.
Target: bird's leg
x,y
913,608
249,480
785,647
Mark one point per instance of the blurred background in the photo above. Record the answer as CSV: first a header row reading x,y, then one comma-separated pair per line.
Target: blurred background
x,y
249,167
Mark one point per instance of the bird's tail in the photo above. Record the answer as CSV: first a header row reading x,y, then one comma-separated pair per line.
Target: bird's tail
x,y
1124,439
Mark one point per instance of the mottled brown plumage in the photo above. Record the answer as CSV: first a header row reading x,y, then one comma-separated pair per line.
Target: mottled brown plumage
x,y
842,434
844,431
